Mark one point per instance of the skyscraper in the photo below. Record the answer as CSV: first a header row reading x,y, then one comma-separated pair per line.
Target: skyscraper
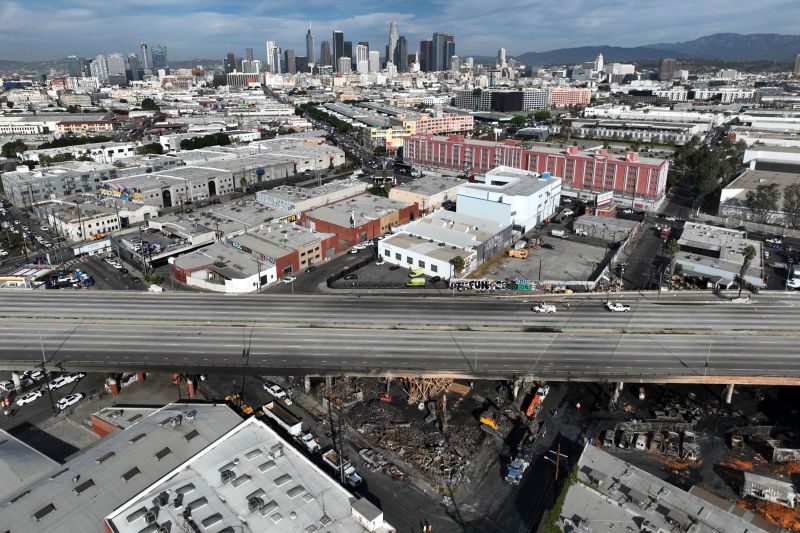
x,y
145,57
666,70
288,60
401,54
99,68
797,65
362,58
338,48
74,66
444,47
159,56
270,55
132,68
425,55
348,51
501,58
310,45
392,44
230,63
325,54
344,65
248,54
115,64
374,61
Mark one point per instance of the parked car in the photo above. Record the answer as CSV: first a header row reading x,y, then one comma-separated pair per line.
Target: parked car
x,y
380,262
616,307
59,382
311,269
35,375
350,277
670,218
75,376
354,250
435,279
793,284
70,400
288,279
29,398
548,246
275,390
394,267
7,386
542,307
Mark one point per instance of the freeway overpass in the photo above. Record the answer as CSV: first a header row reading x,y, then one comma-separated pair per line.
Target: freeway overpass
x,y
676,338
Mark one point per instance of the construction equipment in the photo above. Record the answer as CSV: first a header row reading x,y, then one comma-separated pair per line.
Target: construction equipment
x,y
516,469
236,401
519,254
495,423
537,401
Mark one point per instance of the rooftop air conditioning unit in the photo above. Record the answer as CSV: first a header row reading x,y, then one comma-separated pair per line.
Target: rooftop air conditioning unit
x,y
227,476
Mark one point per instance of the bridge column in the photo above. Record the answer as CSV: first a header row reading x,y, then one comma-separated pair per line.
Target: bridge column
x,y
140,377
15,377
328,382
190,387
307,384
517,387
729,393
113,385
617,389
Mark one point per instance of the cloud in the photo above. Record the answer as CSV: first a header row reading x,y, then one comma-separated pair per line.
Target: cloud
x,y
49,29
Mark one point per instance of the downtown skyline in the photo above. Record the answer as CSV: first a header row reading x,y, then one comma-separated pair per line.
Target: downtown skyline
x,y
209,28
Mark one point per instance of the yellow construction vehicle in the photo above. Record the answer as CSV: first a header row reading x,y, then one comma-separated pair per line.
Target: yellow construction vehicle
x,y
235,400
519,254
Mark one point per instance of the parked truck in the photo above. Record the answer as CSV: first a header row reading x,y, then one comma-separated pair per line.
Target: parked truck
x,y
536,403
351,477
309,441
558,233
519,254
284,418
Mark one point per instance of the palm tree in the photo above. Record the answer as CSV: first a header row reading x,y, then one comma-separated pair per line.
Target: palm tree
x,y
748,254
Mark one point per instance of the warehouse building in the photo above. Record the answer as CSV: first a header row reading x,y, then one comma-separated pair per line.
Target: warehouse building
x,y
168,188
26,187
434,241
429,192
299,199
715,254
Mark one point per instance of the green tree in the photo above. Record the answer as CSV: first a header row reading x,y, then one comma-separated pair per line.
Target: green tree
x,y
458,264
763,201
379,150
148,104
518,121
11,149
151,148
541,116
243,182
748,254
672,248
791,202
10,105
73,109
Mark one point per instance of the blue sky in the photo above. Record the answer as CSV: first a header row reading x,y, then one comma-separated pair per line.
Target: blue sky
x,y
51,29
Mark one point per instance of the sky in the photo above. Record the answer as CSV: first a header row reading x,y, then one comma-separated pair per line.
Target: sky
x,y
32,30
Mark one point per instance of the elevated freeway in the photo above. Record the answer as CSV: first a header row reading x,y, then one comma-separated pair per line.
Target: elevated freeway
x,y
677,338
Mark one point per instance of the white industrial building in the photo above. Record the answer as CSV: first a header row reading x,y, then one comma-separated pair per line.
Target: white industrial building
x,y
108,152
714,254
511,196
432,242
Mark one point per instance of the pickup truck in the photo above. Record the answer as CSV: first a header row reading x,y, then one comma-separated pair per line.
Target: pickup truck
x,y
558,233
543,308
309,441
284,418
351,478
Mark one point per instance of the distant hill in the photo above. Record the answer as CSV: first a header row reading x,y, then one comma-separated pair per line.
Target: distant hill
x,y
611,54
720,46
737,47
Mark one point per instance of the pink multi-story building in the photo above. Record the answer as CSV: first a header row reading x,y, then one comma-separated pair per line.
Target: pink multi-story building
x,y
567,96
634,180
446,123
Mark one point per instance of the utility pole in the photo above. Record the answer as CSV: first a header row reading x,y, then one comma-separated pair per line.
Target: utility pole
x,y
46,377
558,458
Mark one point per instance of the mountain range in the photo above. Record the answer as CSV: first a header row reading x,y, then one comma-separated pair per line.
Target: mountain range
x,y
731,47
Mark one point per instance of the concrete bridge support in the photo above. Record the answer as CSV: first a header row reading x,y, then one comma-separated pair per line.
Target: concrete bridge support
x,y
617,389
307,384
15,377
729,393
517,387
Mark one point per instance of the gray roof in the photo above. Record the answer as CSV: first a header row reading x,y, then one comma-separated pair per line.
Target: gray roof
x,y
454,229
93,483
225,260
20,464
252,478
617,225
365,207
625,489
429,185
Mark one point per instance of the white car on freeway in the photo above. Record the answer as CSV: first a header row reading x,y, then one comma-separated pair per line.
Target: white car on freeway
x,y
29,398
67,401
543,308
616,307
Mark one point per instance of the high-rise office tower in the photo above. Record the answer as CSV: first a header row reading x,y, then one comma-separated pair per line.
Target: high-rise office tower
x,y
115,64
99,68
797,65
248,54
343,65
501,58
288,60
145,57
449,51
391,46
270,56
599,63
230,63
362,59
159,55
666,70
443,49
74,66
374,61
255,66
455,64
301,64
401,54
132,68
338,48
276,60
309,46
425,55
348,51
325,54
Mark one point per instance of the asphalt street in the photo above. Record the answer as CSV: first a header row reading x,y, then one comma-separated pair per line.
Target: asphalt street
x,y
655,342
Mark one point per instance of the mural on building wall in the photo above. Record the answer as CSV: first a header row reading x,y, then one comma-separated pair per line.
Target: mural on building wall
x,y
127,194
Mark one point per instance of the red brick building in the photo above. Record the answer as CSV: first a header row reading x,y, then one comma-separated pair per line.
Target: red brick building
x,y
360,218
634,180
